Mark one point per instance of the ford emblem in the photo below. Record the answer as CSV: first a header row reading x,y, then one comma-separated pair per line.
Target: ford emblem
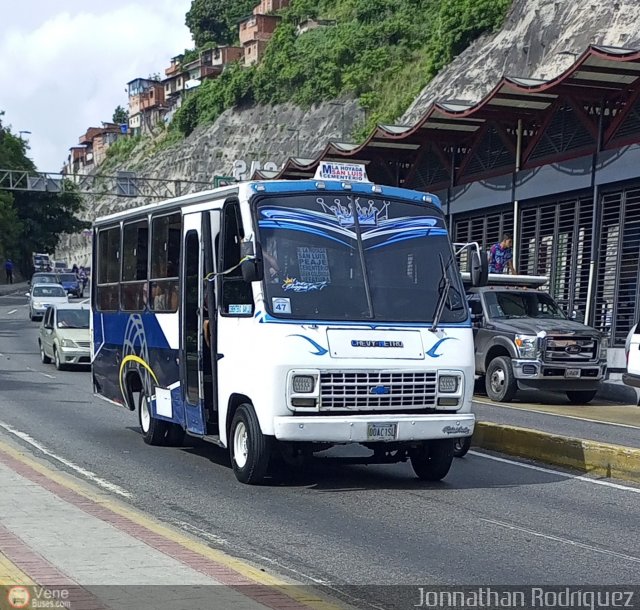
x,y
573,349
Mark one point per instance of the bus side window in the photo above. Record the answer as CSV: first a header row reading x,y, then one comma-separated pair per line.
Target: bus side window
x,y
236,294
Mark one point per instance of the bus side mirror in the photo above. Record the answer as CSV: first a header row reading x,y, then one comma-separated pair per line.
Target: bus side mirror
x,y
252,266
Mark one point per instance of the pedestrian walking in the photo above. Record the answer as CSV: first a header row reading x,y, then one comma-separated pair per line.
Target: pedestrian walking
x,y
8,268
501,256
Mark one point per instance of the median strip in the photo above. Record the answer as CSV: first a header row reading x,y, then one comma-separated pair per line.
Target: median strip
x,y
593,457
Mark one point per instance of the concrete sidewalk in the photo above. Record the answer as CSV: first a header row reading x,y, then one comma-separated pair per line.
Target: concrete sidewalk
x,y
17,287
62,541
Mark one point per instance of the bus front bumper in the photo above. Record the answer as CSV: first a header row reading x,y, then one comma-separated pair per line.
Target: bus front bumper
x,y
366,428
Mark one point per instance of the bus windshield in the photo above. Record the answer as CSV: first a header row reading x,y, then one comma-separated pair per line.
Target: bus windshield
x,y
385,264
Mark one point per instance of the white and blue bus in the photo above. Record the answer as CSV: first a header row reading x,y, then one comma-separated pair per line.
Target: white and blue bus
x,y
281,318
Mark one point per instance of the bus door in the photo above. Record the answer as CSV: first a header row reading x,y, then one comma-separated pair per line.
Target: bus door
x,y
191,341
210,240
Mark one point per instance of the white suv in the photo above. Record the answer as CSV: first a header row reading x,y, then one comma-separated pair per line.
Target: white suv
x,y
632,351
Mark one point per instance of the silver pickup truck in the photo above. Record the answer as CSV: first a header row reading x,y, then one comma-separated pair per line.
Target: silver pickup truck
x,y
523,340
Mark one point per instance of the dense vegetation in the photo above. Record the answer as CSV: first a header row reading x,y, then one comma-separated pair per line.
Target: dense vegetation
x,y
382,52
31,221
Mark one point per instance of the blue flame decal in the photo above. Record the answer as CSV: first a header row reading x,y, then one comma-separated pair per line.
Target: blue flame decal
x,y
320,351
432,352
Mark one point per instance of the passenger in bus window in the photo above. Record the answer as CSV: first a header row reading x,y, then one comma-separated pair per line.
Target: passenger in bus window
x,y
273,271
158,297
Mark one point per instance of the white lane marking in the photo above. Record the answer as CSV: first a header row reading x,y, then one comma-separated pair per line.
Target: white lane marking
x,y
568,541
49,376
12,311
586,479
112,487
593,421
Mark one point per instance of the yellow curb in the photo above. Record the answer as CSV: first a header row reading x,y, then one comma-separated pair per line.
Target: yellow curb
x,y
601,459
11,574
258,576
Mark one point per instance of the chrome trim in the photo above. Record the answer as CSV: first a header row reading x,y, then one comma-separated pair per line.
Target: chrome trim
x,y
358,390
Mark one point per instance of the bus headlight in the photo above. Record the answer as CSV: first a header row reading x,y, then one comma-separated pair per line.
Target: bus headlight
x,y
303,384
448,384
303,390
527,346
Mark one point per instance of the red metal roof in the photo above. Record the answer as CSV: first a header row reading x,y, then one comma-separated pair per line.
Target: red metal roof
x,y
600,73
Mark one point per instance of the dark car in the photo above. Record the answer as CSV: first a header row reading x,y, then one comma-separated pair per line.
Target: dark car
x,y
523,340
71,283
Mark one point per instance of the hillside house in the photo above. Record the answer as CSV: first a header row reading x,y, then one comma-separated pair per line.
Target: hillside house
x,y
146,104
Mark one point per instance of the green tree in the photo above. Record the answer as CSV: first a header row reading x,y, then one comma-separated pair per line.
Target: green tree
x,y
120,115
216,21
32,221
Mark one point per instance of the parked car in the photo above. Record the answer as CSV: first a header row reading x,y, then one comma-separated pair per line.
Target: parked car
x,y
71,284
523,340
60,267
632,352
43,296
64,335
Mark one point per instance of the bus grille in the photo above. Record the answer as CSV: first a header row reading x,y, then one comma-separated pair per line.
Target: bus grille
x,y
376,390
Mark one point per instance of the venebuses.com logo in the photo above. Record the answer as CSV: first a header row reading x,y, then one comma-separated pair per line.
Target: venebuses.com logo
x,y
19,597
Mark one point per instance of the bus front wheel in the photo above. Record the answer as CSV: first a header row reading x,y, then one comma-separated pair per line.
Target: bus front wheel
x,y
432,461
250,450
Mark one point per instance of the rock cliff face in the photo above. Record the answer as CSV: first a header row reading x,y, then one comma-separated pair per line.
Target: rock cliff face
x,y
239,138
531,44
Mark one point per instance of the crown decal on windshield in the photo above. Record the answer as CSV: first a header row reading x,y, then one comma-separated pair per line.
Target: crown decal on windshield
x,y
368,215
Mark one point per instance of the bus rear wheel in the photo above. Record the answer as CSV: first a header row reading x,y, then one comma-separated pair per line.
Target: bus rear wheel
x,y
432,461
250,450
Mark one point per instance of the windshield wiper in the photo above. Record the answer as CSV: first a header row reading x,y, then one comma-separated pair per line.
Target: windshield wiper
x,y
445,286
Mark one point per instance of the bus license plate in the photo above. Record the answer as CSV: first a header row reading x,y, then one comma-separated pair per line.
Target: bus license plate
x,y
382,432
572,373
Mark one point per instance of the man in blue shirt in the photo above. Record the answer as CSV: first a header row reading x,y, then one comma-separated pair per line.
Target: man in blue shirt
x,y
501,256
8,267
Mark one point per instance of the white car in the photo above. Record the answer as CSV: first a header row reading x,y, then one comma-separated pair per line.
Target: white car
x,y
43,296
65,336
632,351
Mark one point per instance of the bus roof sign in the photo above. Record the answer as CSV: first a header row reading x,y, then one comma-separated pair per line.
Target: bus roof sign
x,y
348,172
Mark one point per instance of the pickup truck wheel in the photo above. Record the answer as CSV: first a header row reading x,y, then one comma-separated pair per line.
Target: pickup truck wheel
x,y
499,381
432,461
581,397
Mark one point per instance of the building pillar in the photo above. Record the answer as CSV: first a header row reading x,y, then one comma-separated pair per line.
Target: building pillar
x,y
590,309
516,206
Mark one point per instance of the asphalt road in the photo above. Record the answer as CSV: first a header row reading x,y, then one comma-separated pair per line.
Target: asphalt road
x,y
493,521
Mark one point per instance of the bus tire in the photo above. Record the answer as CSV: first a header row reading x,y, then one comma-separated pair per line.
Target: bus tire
x,y
249,449
432,461
461,446
154,431
175,435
